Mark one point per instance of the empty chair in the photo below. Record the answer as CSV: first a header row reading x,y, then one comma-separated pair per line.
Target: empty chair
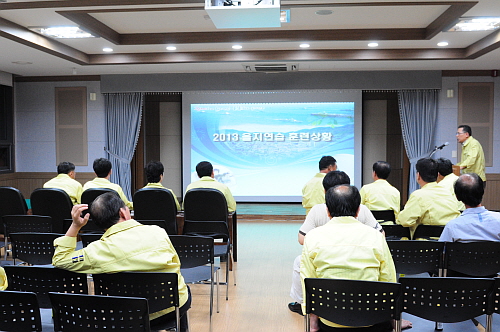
x,y
156,204
90,226
42,280
90,237
396,232
25,223
159,288
77,313
33,248
160,223
353,302
89,195
11,202
19,312
478,259
428,232
414,257
384,215
54,203
448,300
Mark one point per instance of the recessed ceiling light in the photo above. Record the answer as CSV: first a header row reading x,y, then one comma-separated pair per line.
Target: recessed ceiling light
x,y
107,49
476,24
442,44
305,45
62,32
171,48
372,44
324,12
237,47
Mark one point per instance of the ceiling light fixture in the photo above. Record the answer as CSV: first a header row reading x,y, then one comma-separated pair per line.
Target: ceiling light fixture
x,y
305,45
372,44
324,12
476,24
107,49
442,44
237,47
171,48
62,32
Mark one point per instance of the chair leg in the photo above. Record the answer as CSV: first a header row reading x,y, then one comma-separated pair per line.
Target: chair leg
x,y
307,323
218,276
489,323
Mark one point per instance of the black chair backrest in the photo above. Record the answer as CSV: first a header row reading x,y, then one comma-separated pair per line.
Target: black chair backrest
x,y
159,288
170,228
33,248
396,232
413,257
43,279
19,312
385,215
11,202
428,232
156,204
352,302
447,300
52,202
78,313
90,226
89,195
27,223
193,250
478,259
90,237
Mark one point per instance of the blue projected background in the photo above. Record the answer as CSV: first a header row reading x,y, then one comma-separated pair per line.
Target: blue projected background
x,y
271,149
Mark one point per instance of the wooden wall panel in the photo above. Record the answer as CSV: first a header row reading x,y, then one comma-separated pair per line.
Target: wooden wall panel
x,y
491,198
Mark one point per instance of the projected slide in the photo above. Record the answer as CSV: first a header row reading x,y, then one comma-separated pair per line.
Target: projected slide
x,y
271,149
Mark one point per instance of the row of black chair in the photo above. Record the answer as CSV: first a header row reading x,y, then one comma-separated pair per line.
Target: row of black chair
x,y
365,303
422,232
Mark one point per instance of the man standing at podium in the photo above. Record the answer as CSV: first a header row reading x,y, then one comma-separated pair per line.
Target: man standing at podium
x,y
472,160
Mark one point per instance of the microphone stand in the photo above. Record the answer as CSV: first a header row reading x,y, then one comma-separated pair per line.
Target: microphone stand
x,y
435,150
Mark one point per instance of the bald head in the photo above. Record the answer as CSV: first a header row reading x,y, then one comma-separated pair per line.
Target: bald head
x,y
343,200
469,189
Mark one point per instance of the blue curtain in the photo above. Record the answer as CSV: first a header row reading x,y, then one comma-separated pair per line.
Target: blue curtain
x,y
418,112
123,121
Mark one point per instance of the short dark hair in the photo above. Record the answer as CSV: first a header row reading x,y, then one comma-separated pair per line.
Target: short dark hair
x,y
466,129
427,168
444,166
102,167
204,168
154,169
343,200
326,161
469,189
105,210
334,178
65,167
382,169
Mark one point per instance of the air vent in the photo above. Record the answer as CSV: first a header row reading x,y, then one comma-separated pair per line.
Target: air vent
x,y
271,68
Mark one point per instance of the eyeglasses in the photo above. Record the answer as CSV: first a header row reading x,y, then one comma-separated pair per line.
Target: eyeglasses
x,y
459,133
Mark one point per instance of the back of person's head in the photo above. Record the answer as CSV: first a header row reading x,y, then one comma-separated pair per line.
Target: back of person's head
x,y
65,167
102,167
105,210
428,169
469,189
382,169
154,169
334,178
204,168
343,200
326,161
444,166
466,129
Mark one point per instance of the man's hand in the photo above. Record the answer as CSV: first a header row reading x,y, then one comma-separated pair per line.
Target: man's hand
x,y
78,221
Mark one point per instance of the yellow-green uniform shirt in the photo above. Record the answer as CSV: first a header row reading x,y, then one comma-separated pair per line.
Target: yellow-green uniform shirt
x,y
72,187
344,248
430,205
313,192
125,246
209,182
159,185
3,279
380,195
105,183
448,182
473,158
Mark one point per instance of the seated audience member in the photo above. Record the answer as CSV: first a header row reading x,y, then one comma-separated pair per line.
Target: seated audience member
x,y
205,172
431,204
346,249
380,195
65,180
476,223
154,173
446,178
313,192
3,279
318,216
119,249
102,169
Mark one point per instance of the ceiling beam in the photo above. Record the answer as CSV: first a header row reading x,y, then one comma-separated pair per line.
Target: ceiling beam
x,y
92,3
483,46
448,18
92,25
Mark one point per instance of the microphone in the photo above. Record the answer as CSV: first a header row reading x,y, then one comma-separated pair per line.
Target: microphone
x,y
442,146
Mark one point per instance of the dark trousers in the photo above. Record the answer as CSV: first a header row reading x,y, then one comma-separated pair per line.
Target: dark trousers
x,y
182,312
380,327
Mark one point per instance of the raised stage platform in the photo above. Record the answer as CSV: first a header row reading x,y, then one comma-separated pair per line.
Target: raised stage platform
x,y
275,212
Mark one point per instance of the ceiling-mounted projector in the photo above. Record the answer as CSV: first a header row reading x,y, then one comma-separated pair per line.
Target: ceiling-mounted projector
x,y
231,14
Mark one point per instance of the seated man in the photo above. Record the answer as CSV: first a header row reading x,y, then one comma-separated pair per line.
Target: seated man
x,y
446,178
380,195
154,173
205,172
346,249
313,192
65,180
102,169
431,204
476,223
119,248
318,216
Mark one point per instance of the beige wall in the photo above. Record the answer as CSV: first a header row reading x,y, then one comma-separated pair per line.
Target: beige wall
x,y
171,145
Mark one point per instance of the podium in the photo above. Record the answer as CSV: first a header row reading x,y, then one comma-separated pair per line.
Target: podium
x,y
456,170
